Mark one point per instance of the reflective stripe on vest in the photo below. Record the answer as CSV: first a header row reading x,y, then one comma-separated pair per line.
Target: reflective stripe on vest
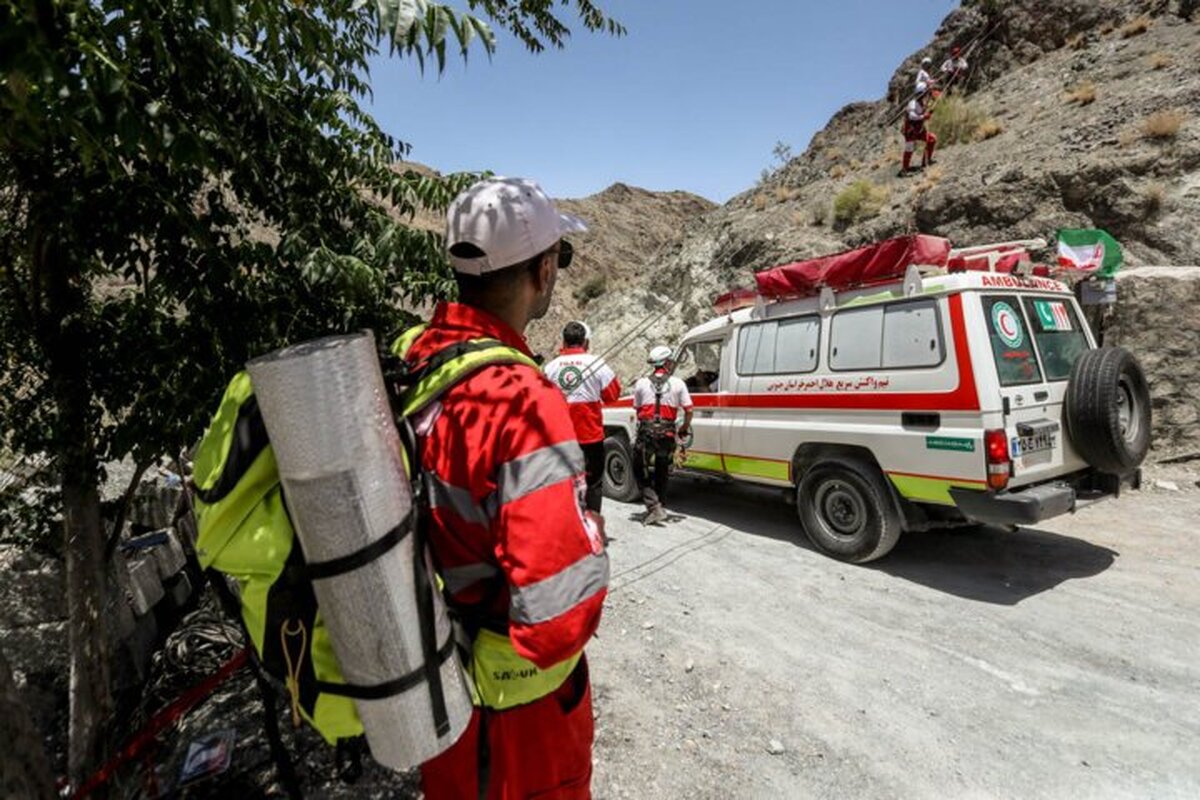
x,y
502,678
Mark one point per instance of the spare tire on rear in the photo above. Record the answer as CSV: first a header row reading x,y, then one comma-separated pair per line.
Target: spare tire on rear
x,y
1108,410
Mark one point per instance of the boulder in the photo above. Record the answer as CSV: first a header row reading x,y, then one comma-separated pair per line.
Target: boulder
x,y
1157,317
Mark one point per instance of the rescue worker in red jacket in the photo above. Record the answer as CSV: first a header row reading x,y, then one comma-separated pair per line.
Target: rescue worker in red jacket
x,y
522,561
588,382
954,69
658,400
916,131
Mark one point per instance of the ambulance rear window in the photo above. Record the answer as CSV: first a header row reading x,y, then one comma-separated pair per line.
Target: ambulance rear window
x,y
1060,337
1012,345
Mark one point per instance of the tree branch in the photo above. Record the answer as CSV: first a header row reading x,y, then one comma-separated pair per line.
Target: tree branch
x,y
126,503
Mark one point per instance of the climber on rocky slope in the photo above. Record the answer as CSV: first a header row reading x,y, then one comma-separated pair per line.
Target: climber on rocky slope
x,y
954,69
925,82
915,130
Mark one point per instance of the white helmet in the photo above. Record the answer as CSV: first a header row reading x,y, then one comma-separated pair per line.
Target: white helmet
x,y
659,355
926,61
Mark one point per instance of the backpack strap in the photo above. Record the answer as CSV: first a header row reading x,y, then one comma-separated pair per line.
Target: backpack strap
x,y
432,377
247,438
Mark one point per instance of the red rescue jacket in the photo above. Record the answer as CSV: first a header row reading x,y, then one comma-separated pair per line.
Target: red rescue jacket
x,y
508,533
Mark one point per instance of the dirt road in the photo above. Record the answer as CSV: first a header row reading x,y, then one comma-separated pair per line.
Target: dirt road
x,y
1056,662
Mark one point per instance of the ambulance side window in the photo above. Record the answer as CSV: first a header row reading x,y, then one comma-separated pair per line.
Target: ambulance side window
x,y
856,339
756,348
785,346
796,344
701,363
912,335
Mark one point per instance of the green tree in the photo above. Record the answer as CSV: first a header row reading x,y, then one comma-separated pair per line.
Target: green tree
x,y
184,184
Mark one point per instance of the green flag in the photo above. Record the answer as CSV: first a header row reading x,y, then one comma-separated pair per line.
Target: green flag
x,y
1089,249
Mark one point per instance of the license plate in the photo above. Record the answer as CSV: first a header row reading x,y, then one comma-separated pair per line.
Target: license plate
x,y
1034,443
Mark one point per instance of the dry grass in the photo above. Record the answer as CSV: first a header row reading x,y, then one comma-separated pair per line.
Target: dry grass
x,y
838,171
1077,41
929,179
799,218
759,202
856,165
1154,197
859,201
987,129
820,213
955,120
1160,60
1162,125
833,153
1128,137
1107,28
1084,94
784,193
1135,27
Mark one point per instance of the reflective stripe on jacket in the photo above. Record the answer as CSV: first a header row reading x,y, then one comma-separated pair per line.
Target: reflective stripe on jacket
x,y
508,530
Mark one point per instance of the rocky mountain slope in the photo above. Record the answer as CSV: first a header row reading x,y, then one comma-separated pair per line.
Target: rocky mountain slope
x,y
1076,114
629,227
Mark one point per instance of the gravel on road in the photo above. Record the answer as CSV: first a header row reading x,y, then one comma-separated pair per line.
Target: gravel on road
x,y
1058,661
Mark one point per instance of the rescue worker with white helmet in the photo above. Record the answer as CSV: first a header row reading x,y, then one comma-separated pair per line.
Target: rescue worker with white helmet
x,y
925,82
658,400
915,130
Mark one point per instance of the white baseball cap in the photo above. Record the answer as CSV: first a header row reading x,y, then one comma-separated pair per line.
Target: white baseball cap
x,y
504,221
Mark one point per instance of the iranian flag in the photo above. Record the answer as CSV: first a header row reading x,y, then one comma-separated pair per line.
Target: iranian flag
x,y
1089,250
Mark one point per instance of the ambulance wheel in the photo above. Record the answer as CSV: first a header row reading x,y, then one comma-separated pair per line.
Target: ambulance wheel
x,y
846,508
1108,410
619,483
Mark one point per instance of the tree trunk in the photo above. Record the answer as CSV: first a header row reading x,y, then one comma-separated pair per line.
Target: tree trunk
x,y
90,691
24,770
64,334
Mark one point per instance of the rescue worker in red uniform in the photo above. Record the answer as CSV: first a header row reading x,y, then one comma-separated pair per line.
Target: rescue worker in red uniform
x,y
658,400
954,69
522,561
587,382
916,131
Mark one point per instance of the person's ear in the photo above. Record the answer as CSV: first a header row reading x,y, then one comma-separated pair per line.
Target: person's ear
x,y
543,277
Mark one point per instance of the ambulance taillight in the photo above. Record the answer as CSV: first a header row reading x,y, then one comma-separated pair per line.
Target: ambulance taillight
x,y
999,465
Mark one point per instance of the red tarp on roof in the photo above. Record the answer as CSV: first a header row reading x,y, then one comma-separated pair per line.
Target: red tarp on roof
x,y
732,301
873,263
1007,258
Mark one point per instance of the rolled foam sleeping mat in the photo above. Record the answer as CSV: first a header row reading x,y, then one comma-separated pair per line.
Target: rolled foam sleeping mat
x,y
339,454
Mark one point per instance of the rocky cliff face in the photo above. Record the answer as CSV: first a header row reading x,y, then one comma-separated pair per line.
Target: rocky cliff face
x,y
1158,318
629,227
1075,114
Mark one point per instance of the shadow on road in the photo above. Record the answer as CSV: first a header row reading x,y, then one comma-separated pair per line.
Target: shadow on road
x,y
993,565
981,563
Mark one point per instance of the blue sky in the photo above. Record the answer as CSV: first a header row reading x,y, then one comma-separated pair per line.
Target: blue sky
x,y
694,96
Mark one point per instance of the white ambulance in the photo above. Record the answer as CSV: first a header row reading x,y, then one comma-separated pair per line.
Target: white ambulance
x,y
905,386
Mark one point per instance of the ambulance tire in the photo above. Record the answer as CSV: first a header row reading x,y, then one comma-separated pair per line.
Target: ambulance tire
x,y
846,507
619,483
1107,410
